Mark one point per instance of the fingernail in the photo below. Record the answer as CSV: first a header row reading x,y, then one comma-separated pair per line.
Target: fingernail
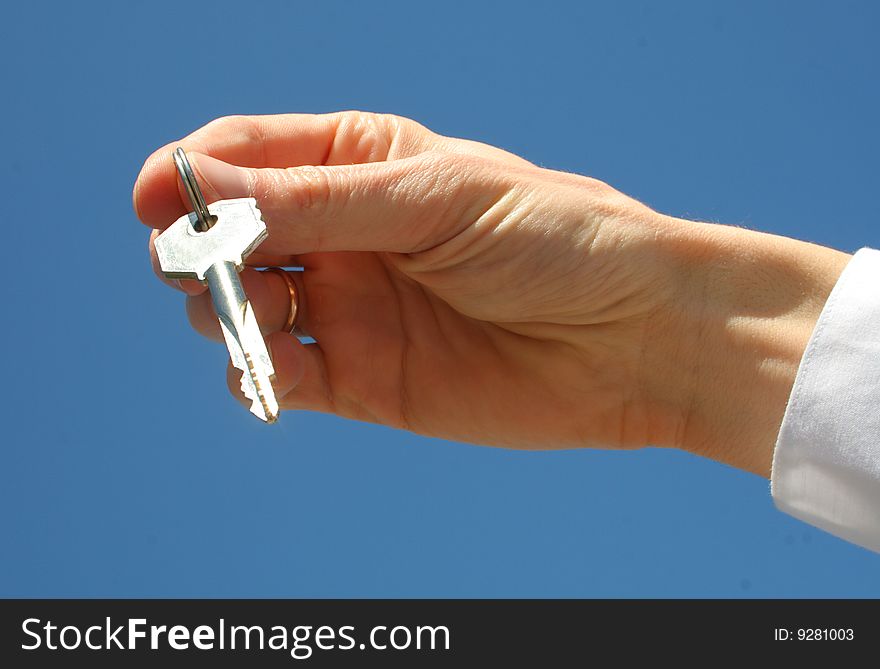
x,y
226,180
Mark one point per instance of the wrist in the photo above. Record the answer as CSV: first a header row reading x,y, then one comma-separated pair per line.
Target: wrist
x,y
747,310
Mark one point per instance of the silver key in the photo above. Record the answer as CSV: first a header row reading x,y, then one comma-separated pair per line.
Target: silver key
x,y
210,245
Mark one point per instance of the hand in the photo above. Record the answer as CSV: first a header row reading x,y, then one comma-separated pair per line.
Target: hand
x,y
459,291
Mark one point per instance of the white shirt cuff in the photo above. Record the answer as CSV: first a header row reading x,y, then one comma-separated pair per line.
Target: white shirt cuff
x,y
826,467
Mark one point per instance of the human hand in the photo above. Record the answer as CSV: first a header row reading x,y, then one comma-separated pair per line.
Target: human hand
x,y
456,290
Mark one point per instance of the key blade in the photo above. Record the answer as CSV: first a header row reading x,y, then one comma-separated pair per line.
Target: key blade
x,y
248,353
247,349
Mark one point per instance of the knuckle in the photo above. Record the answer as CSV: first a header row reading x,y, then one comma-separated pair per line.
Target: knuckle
x,y
363,136
308,188
351,117
401,125
371,137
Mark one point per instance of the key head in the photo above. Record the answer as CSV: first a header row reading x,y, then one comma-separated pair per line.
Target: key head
x,y
185,253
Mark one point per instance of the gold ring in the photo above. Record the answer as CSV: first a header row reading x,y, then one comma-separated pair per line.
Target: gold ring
x,y
293,311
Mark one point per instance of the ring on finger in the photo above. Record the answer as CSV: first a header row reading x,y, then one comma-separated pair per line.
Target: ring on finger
x,y
293,290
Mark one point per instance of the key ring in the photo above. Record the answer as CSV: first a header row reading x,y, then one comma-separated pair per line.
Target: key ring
x,y
204,219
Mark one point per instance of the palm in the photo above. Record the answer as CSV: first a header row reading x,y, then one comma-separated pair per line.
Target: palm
x,y
393,352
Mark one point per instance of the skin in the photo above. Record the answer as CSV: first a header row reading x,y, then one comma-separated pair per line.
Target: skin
x,y
459,291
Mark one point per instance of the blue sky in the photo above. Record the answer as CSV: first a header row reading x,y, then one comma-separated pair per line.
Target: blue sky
x,y
126,469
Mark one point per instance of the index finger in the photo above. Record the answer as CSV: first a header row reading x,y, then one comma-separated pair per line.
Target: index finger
x,y
281,140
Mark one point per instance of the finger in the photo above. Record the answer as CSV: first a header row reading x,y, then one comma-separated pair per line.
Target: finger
x,y
403,206
312,391
269,295
257,259
284,140
187,286
300,375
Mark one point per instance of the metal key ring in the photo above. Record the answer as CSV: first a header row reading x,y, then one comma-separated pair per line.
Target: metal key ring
x,y
184,169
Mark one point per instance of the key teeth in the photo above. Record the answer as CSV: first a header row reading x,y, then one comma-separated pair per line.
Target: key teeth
x,y
263,403
268,414
259,405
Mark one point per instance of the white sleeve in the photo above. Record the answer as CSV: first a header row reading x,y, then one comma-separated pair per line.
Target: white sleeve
x,y
826,467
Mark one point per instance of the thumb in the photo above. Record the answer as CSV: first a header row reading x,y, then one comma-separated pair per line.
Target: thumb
x,y
402,206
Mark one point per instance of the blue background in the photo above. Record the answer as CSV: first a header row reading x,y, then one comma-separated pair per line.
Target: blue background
x,y
126,469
